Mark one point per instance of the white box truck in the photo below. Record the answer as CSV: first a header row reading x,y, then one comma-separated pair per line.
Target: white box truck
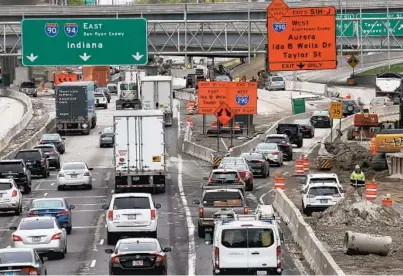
x,y
157,93
139,150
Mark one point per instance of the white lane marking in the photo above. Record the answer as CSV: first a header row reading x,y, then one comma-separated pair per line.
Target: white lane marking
x,y
225,145
263,195
101,242
45,194
108,176
38,186
52,184
9,246
189,222
93,262
112,191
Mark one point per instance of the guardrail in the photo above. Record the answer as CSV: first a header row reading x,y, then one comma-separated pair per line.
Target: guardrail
x,y
312,249
24,120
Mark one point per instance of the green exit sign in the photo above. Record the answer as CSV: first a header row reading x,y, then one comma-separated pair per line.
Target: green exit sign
x,y
62,42
380,27
344,24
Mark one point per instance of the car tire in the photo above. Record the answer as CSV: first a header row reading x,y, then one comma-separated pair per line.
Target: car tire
x,y
265,175
62,255
27,190
58,165
154,234
86,132
201,231
62,151
60,188
18,211
68,230
299,144
161,190
106,106
48,172
89,187
34,95
44,174
111,238
289,157
250,188
101,145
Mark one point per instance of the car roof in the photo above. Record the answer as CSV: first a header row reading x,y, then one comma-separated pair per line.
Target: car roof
x,y
275,144
131,195
11,161
225,170
277,136
52,134
37,218
320,112
323,175
221,190
315,185
48,198
45,145
248,223
28,150
138,240
10,249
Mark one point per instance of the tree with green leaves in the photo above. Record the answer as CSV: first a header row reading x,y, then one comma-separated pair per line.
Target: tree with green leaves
x,y
76,2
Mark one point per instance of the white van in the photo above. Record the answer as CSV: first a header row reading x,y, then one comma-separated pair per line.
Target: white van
x,y
247,246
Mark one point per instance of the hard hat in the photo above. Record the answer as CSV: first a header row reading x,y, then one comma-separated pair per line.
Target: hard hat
x,y
357,167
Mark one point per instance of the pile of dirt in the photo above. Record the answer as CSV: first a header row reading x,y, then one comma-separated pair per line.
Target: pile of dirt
x,y
350,154
353,211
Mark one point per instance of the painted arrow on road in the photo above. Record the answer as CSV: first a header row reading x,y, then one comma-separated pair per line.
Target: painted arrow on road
x,y
32,57
85,57
137,56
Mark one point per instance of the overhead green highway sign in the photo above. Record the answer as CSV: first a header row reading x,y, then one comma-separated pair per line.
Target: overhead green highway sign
x,y
379,27
62,42
344,24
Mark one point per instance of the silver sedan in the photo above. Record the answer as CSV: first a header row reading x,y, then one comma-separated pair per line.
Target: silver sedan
x,y
74,174
43,234
271,152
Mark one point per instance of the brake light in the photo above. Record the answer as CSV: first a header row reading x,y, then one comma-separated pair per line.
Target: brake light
x,y
110,215
30,271
33,214
275,153
260,162
42,162
201,212
51,152
278,253
86,174
115,260
14,194
17,238
355,105
210,181
160,259
62,213
57,236
245,210
153,214
216,257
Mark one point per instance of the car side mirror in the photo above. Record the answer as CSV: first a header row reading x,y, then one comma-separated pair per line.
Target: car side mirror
x,y
64,138
196,202
167,249
157,206
90,169
105,207
72,207
302,192
205,178
13,228
26,208
109,251
343,191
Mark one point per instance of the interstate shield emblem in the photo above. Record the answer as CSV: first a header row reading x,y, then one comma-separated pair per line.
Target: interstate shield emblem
x,y
52,29
71,29
279,27
242,100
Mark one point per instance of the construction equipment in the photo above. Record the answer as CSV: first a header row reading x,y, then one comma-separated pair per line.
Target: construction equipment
x,y
388,141
65,76
365,125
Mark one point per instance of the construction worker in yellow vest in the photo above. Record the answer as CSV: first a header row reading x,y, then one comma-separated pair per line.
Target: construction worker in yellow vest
x,y
237,79
189,66
357,177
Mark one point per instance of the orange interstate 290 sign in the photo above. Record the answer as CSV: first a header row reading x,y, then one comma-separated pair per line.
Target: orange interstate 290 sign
x,y
241,97
300,38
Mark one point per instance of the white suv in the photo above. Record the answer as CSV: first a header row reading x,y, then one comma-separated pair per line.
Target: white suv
x,y
100,99
130,214
320,178
10,196
317,197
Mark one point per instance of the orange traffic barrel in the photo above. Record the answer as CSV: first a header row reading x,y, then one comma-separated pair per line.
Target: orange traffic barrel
x,y
371,190
387,200
279,183
214,126
190,122
190,108
306,165
299,167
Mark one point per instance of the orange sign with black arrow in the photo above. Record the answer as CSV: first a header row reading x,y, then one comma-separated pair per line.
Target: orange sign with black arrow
x,y
224,113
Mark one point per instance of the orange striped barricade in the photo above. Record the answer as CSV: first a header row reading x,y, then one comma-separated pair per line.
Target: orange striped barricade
x,y
306,165
190,122
299,167
387,200
190,108
279,182
371,190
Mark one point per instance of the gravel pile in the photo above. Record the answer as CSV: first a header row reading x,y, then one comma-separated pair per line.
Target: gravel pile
x,y
350,154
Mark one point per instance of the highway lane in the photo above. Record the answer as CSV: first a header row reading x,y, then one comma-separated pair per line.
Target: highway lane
x,y
86,243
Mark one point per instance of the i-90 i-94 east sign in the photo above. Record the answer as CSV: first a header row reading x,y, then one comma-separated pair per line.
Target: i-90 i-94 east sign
x,y
53,42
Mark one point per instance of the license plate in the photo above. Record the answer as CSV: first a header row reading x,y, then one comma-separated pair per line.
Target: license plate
x,y
131,217
261,272
73,176
9,273
256,170
136,178
320,119
323,201
28,163
137,263
36,239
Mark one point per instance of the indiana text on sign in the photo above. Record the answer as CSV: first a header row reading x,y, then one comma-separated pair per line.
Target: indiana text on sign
x,y
302,39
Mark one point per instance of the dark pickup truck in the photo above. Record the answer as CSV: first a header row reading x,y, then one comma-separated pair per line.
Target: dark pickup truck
x,y
294,133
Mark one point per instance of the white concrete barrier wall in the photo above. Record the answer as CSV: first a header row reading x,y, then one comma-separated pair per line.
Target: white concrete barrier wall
x,y
186,96
314,252
24,120
311,87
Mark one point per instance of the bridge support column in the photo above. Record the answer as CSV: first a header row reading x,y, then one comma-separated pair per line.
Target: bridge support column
x,y
8,65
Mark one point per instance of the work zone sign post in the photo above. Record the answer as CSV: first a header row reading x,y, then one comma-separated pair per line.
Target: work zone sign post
x,y
300,38
335,112
225,100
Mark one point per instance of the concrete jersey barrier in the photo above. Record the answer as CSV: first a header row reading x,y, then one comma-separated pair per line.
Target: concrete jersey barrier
x,y
24,120
311,87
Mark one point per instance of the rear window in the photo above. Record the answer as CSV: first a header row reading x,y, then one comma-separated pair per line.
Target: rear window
x,y
323,191
322,180
27,85
131,203
134,246
69,167
233,199
244,238
28,155
15,257
50,137
131,86
302,122
320,113
254,156
5,186
277,79
37,224
48,204
232,160
224,176
238,167
10,167
276,140
45,149
288,127
266,146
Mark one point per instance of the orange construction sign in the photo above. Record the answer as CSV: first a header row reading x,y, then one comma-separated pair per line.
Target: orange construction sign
x,y
241,97
224,114
301,38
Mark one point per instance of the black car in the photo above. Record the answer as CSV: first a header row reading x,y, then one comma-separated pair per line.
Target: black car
x,y
52,154
29,88
321,119
107,137
54,139
138,256
105,91
307,128
113,88
17,170
294,133
283,142
35,160
258,163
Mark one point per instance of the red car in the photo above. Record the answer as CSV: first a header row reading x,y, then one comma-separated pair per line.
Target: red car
x,y
244,171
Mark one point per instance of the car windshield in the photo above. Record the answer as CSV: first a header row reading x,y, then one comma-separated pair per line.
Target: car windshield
x,y
266,146
5,186
302,122
131,202
137,247
48,204
238,167
222,198
277,79
36,224
27,85
50,137
276,139
125,86
72,167
323,191
247,238
28,155
222,78
10,167
15,257
322,180
45,149
224,176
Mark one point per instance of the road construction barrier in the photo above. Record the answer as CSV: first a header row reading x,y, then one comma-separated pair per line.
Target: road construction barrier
x,y
387,200
299,167
217,158
311,87
190,122
279,182
190,108
306,165
371,190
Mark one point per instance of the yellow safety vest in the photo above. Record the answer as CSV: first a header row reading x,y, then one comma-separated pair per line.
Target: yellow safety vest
x,y
237,79
357,176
